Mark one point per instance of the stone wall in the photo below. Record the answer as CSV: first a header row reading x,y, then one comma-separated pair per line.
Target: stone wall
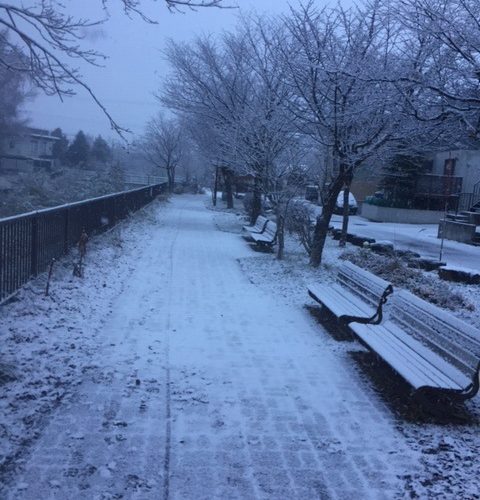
x,y
456,231
400,215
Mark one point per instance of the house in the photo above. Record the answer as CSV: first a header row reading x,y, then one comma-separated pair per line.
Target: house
x,y
28,149
243,183
460,163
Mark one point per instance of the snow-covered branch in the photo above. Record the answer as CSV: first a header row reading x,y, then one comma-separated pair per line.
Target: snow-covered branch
x,y
52,42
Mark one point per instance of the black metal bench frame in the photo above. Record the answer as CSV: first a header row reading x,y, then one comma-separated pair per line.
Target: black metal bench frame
x,y
264,243
434,352
251,229
368,291
376,319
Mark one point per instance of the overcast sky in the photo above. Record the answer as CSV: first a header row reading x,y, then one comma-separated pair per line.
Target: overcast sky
x,y
135,64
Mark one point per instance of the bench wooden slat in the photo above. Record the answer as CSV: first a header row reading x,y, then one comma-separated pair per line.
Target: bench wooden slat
x,y
428,347
355,293
371,286
442,332
259,225
333,297
268,236
408,357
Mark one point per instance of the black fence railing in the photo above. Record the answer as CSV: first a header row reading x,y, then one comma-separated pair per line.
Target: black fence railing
x,y
466,201
441,186
28,242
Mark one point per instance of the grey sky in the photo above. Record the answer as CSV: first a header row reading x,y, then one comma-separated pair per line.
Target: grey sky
x,y
135,65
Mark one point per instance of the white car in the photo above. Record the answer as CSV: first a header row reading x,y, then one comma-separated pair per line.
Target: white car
x,y
352,204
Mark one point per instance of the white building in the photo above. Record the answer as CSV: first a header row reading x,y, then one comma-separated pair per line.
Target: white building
x,y
26,150
459,163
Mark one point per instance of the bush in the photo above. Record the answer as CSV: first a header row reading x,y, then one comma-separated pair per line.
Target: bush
x,y
382,202
395,269
299,223
248,202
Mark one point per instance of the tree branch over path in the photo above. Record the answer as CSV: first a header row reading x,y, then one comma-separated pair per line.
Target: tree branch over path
x,y
51,42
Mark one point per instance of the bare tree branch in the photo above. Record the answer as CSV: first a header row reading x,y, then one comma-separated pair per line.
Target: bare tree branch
x,y
51,40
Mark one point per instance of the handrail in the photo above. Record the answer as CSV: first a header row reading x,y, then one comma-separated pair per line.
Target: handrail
x,y
466,201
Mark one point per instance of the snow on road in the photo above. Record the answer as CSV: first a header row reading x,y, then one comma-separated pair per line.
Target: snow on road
x,y
203,385
420,238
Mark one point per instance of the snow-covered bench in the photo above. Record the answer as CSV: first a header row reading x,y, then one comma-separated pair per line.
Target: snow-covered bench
x,y
356,295
268,237
258,227
428,347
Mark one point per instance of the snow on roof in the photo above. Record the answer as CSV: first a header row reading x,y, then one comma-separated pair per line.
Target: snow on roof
x,y
42,136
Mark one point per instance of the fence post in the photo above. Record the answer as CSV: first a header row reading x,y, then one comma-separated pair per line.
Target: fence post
x,y
34,249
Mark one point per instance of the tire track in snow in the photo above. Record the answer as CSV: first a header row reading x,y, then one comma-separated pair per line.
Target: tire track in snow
x,y
168,406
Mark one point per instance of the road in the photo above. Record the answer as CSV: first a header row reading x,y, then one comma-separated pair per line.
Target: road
x,y
420,238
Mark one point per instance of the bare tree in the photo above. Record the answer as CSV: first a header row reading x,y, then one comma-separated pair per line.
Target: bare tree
x,y
267,131
209,85
235,87
336,59
51,41
441,39
163,146
13,93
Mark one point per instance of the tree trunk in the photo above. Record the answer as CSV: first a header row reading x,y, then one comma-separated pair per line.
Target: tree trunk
x,y
346,212
215,188
228,178
280,234
323,221
172,173
171,179
256,209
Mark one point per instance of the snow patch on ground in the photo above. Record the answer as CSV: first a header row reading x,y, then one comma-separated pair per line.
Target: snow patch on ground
x,y
427,285
448,440
48,342
265,402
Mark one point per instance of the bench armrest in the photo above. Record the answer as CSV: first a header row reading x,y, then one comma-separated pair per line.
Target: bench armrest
x,y
376,319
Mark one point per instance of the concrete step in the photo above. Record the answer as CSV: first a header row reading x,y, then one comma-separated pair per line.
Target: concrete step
x,y
458,218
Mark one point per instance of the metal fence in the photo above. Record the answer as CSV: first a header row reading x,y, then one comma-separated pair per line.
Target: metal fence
x,y
441,186
144,180
29,242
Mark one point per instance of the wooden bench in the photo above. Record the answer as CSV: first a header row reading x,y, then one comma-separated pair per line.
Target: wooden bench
x,y
259,225
356,295
428,347
268,237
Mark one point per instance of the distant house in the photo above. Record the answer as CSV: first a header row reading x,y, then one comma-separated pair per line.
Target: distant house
x,y
243,183
459,163
457,174
28,149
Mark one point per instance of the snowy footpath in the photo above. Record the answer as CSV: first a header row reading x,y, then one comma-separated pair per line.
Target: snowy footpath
x,y
199,384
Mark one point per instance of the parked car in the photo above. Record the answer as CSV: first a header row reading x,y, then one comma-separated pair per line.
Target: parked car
x,y
352,204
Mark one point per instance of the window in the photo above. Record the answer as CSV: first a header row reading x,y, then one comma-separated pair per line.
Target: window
x,y
34,147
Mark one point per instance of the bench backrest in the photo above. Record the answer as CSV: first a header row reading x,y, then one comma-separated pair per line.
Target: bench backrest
x,y
361,283
260,223
452,339
270,229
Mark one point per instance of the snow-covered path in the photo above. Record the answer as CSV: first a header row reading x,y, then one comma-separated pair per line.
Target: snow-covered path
x,y
209,387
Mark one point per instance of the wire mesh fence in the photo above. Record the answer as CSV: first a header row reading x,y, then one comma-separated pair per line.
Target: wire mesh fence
x,y
28,242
